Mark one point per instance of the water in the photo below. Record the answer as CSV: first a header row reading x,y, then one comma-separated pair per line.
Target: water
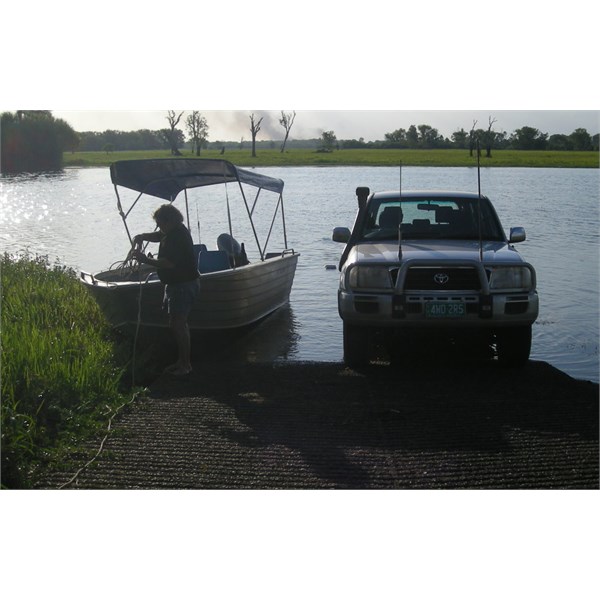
x,y
71,216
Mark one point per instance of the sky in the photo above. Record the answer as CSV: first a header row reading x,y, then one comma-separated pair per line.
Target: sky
x,y
232,125
362,73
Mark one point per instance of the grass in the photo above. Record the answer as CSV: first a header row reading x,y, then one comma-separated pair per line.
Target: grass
x,y
60,373
358,157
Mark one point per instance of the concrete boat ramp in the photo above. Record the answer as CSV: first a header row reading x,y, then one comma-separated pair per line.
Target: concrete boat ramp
x,y
323,426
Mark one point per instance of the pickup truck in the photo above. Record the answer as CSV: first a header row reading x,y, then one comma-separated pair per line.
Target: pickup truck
x,y
419,266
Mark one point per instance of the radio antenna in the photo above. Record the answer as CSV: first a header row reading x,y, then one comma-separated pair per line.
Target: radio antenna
x,y
479,202
400,213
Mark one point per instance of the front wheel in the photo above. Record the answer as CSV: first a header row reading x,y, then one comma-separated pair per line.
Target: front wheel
x,y
356,346
513,345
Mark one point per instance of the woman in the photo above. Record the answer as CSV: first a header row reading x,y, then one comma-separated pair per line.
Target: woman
x,y
177,268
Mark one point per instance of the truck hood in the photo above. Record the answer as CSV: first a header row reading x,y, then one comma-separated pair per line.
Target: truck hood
x,y
443,250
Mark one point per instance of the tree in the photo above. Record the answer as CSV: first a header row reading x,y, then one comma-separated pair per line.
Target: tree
x,y
286,121
529,138
412,137
254,129
171,139
429,137
328,140
67,137
33,140
396,138
34,114
472,138
489,138
173,118
459,138
197,130
559,141
581,139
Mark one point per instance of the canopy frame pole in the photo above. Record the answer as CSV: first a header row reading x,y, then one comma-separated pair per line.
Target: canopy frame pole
x,y
260,250
255,201
187,208
134,202
228,211
279,203
124,215
272,222
285,243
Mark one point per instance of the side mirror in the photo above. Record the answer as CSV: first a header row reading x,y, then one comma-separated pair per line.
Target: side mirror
x,y
341,234
517,234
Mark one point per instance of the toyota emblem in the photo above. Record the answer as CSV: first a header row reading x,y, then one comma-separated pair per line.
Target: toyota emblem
x,y
441,278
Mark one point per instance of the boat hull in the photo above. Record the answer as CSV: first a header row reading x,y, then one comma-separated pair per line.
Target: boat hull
x,y
227,300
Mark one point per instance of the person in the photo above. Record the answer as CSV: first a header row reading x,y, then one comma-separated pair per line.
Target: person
x,y
176,267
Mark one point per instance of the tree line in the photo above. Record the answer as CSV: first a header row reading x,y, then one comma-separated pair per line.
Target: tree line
x,y
416,136
35,140
524,138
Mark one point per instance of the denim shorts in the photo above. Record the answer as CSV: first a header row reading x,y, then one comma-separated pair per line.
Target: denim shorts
x,y
179,297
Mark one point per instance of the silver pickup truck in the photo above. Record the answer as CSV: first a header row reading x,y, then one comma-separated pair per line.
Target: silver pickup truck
x,y
426,265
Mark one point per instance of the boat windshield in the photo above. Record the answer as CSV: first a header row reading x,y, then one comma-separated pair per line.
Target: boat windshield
x,y
436,218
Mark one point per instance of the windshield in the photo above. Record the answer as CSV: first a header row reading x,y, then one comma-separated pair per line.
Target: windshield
x,y
435,218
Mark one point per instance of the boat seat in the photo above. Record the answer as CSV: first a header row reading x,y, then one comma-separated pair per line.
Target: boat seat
x,y
211,261
197,249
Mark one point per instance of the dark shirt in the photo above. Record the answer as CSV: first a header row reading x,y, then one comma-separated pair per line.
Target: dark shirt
x,y
177,246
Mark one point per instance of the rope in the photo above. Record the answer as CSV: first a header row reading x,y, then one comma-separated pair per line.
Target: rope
x,y
89,462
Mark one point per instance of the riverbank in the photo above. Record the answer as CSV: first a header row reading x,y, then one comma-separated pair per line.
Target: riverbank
x,y
323,426
357,157
62,367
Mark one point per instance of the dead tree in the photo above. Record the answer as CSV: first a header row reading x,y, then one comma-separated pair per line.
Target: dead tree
x,y
472,139
197,130
489,138
173,120
286,121
254,129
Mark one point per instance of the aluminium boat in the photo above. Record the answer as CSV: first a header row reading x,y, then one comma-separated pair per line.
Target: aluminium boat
x,y
237,287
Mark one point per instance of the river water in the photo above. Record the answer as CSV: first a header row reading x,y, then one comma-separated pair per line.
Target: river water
x,y
72,217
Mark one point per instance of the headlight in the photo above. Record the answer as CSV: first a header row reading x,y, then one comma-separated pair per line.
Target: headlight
x,y
511,278
369,277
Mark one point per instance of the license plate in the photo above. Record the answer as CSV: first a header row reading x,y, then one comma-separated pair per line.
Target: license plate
x,y
445,310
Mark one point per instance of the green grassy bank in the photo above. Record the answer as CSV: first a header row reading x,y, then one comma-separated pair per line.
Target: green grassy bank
x,y
359,157
61,372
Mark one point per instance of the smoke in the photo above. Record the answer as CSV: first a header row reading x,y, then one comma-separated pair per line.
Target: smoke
x,y
235,124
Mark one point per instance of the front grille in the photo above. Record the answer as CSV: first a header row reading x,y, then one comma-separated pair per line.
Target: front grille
x,y
442,278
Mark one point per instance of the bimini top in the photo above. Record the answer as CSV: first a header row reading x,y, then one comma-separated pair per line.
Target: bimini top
x,y
165,178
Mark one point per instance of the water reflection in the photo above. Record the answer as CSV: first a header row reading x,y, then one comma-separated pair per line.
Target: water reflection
x,y
273,339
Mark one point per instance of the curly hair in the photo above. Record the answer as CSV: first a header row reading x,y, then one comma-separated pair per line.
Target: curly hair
x,y
167,213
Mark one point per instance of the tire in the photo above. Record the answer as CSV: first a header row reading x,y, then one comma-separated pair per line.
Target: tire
x,y
513,345
356,346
